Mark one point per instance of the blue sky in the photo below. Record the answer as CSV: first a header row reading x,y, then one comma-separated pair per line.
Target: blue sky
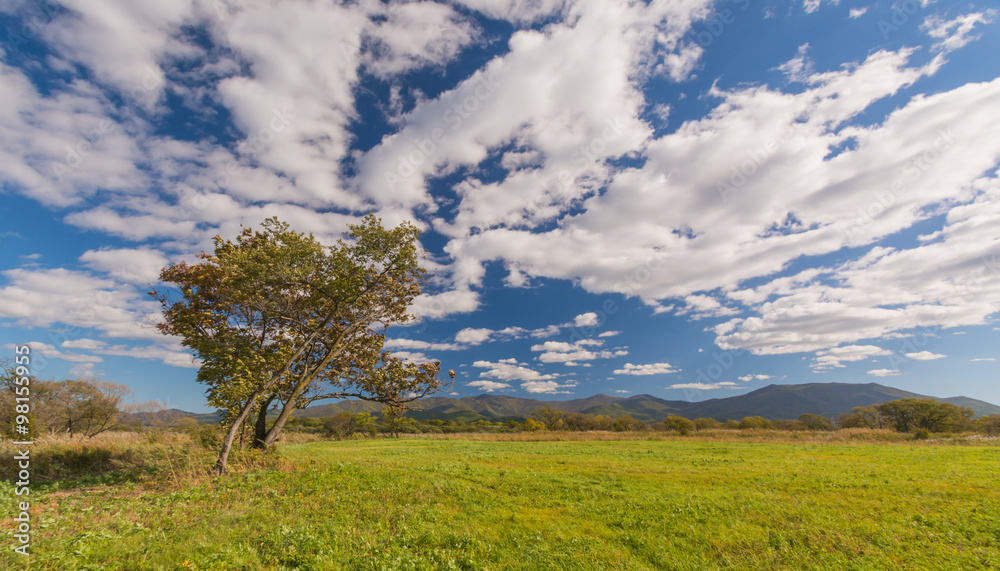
x,y
686,198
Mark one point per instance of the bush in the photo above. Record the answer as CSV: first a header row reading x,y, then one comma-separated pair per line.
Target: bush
x,y
207,436
532,425
678,423
815,422
625,423
921,434
706,423
989,425
752,422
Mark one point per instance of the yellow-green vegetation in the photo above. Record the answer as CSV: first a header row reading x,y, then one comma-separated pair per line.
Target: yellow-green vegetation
x,y
508,504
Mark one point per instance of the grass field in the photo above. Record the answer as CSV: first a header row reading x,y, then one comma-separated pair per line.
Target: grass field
x,y
466,504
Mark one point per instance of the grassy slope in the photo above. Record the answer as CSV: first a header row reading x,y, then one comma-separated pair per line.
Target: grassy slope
x,y
459,504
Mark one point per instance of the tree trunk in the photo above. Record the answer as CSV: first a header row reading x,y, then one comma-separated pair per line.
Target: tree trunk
x,y
260,427
227,442
286,412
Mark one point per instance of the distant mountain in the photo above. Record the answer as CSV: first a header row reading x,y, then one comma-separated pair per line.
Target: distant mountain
x,y
771,402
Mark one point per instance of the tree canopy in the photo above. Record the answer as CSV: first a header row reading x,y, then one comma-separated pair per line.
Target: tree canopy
x,y
277,318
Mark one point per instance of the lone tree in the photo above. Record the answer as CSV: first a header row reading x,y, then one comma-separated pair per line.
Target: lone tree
x,y
907,415
279,319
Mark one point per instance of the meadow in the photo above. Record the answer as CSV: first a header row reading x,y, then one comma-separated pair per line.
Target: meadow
x,y
536,503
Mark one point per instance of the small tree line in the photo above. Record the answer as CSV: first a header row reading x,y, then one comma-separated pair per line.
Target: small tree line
x,y
82,407
906,415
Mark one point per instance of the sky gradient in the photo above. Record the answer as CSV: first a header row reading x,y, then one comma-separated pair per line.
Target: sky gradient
x,y
685,198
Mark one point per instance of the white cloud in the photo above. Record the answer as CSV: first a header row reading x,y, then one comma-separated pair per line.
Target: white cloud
x,y
941,284
510,370
392,344
138,266
84,343
415,35
856,13
796,202
609,333
982,359
703,306
445,303
954,34
488,386
589,319
706,386
517,11
924,356
800,68
473,336
748,378
834,357
562,352
45,297
547,387
648,369
50,352
174,356
884,372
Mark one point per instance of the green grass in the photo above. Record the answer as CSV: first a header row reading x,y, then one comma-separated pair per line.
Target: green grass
x,y
461,504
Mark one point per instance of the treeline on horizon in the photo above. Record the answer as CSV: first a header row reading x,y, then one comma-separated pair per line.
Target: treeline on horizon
x,y
89,407
921,417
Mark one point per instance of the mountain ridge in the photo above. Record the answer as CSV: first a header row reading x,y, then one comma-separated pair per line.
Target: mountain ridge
x,y
771,402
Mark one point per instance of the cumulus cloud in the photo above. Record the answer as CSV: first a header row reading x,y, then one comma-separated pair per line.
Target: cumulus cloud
x,y
506,371
748,378
547,387
489,386
648,369
563,352
706,386
924,356
133,265
400,343
473,335
588,188
884,372
835,357
510,370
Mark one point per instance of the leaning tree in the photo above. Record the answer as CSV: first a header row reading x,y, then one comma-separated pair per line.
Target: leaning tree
x,y
278,319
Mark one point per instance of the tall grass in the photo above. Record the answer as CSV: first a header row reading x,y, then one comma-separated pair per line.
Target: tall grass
x,y
168,460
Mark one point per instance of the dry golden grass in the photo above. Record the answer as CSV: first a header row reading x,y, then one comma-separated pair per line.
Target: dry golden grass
x,y
164,459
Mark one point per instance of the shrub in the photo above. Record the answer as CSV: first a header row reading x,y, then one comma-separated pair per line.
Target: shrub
x,y
678,423
751,422
815,422
532,425
625,423
207,435
989,424
706,423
